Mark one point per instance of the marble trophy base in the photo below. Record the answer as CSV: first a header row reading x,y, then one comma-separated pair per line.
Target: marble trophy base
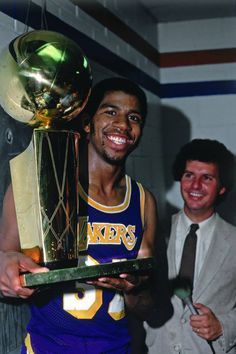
x,y
140,265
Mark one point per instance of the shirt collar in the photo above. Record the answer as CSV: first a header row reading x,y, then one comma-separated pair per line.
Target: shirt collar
x,y
205,224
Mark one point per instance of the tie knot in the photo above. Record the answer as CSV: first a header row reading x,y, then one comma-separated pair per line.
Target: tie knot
x,y
194,228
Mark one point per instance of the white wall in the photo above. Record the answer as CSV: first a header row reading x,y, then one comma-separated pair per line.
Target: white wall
x,y
207,116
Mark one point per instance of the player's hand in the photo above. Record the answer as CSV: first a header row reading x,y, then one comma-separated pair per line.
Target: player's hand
x,y
206,325
12,264
125,282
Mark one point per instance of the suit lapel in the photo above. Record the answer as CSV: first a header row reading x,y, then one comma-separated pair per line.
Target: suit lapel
x,y
172,247
217,252
177,303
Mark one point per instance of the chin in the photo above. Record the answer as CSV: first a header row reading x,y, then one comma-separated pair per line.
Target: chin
x,y
115,161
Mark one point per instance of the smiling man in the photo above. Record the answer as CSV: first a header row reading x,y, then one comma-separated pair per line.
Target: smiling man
x,y
205,169
117,220
200,187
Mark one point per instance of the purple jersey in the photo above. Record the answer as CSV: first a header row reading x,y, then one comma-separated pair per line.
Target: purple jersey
x,y
92,320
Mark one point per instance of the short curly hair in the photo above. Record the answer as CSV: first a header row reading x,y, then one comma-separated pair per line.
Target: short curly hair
x,y
207,150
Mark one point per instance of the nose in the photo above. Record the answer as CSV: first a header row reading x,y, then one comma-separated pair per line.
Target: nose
x,y
196,183
122,122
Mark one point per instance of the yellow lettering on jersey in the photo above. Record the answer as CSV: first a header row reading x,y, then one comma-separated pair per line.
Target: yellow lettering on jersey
x,y
97,234
105,233
92,238
111,234
121,233
129,238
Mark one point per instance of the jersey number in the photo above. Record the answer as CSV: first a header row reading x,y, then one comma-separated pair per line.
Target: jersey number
x,y
88,300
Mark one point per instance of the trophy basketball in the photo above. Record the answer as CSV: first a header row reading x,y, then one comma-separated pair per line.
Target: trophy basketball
x,y
47,83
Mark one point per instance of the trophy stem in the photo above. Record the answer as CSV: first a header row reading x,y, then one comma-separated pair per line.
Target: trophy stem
x,y
45,193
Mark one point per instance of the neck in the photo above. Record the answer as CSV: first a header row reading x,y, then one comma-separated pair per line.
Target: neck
x,y
103,173
197,216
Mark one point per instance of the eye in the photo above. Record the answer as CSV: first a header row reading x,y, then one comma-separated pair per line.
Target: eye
x,y
110,112
136,118
187,175
208,178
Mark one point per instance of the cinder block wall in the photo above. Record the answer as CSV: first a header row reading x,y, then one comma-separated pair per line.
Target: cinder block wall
x,y
145,163
200,95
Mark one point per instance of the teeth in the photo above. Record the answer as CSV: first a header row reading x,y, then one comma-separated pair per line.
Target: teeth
x,y
117,140
194,194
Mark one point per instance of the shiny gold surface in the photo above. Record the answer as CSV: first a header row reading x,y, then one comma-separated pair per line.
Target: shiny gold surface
x,y
44,180
57,159
45,78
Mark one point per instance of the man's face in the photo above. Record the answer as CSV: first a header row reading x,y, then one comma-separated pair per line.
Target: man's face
x,y
116,127
200,187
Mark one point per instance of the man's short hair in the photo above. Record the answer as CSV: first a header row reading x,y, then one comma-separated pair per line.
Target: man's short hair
x,y
115,84
209,151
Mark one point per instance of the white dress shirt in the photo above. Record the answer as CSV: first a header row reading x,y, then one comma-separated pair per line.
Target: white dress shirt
x,y
204,238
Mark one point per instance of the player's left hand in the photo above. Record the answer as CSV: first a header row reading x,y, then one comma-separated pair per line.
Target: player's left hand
x,y
124,283
206,325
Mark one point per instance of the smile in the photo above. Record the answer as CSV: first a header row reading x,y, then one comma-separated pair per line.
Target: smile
x,y
118,140
196,194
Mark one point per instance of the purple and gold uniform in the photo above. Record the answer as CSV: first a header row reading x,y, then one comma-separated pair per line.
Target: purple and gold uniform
x,y
92,320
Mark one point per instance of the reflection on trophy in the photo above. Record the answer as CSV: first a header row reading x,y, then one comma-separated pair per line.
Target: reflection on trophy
x,y
47,81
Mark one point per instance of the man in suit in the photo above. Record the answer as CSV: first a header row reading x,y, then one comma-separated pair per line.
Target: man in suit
x,y
205,169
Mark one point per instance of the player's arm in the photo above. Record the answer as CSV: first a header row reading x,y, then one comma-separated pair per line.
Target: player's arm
x,y
12,262
9,238
138,296
148,240
150,226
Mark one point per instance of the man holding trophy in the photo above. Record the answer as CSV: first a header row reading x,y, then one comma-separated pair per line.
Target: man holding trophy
x,y
117,221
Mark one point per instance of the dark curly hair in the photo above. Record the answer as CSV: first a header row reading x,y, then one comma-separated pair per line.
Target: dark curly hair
x,y
206,150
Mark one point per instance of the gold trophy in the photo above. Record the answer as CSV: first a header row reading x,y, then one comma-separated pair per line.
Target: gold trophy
x,y
47,81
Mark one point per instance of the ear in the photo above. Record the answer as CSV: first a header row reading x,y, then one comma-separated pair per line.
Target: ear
x,y
86,123
222,190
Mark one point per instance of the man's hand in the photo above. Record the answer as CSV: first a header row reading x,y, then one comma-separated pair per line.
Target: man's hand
x,y
136,291
206,325
12,264
125,282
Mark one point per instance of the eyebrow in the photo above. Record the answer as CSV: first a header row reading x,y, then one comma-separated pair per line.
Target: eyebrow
x,y
110,105
204,173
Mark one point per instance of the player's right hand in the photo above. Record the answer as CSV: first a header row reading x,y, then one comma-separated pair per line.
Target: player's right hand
x,y
11,265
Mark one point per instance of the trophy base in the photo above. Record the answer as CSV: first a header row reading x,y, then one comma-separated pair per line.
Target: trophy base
x,y
140,265
68,263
